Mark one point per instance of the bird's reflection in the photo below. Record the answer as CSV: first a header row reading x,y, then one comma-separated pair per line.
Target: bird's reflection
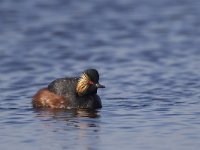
x,y
79,118
83,124
87,113
67,114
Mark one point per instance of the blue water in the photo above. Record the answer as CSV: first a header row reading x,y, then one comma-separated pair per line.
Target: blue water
x,y
148,56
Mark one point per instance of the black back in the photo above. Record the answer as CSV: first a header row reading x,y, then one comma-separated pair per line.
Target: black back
x,y
67,87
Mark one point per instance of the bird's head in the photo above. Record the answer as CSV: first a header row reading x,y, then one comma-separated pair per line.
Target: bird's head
x,y
88,82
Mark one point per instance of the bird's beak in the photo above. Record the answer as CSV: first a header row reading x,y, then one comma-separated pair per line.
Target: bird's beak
x,y
100,86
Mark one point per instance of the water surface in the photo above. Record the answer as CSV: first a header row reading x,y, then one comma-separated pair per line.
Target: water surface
x,y
147,53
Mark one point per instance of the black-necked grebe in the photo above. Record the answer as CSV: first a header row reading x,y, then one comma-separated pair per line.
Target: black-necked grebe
x,y
67,93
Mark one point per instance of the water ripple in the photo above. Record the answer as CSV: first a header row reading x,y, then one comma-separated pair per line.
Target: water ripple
x,y
149,62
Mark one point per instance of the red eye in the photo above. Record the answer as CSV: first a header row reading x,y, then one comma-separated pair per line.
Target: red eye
x,y
90,82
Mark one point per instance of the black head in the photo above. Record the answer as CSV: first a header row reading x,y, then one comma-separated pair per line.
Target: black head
x,y
92,74
88,82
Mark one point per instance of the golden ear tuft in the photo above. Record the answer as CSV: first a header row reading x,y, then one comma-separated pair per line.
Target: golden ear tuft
x,y
82,85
